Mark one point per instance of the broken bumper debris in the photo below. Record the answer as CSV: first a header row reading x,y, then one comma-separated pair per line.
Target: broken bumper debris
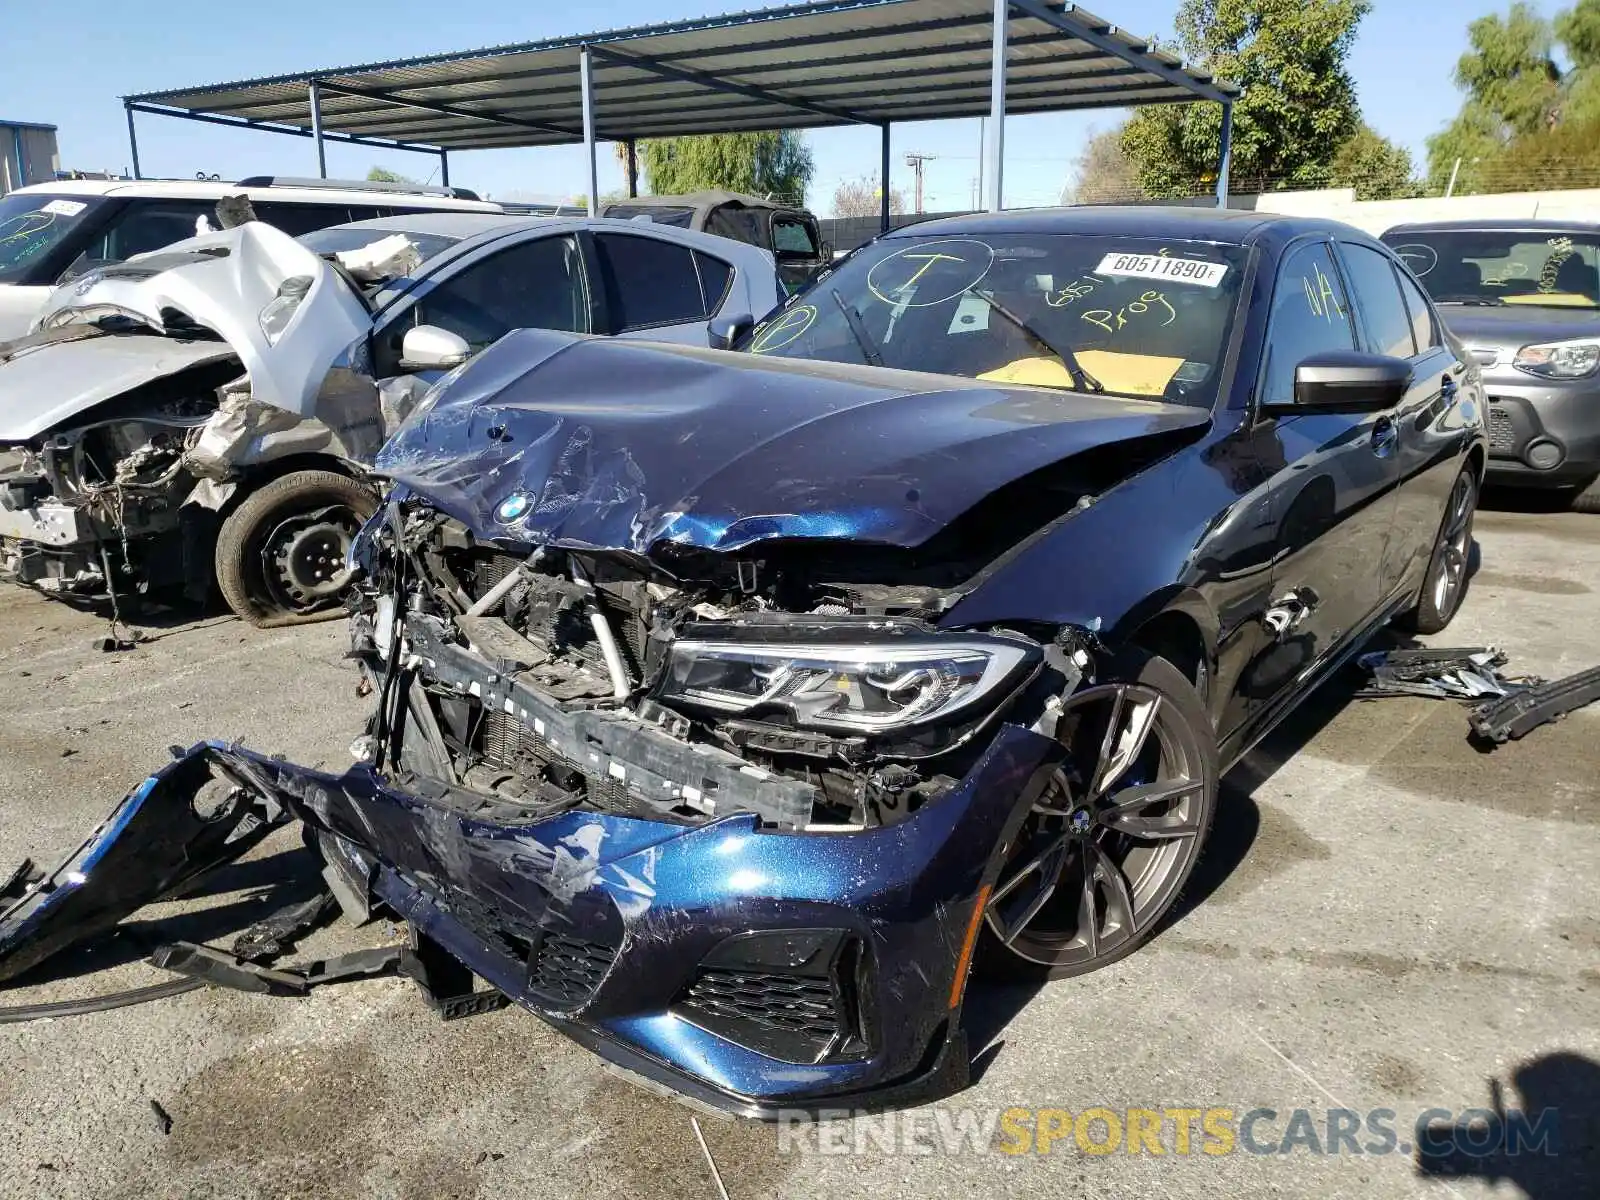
x,y
745,968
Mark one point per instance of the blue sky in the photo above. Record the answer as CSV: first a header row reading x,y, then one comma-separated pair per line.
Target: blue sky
x,y
70,71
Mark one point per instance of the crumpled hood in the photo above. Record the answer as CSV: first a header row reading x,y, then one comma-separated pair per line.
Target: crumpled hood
x,y
34,398
555,438
223,281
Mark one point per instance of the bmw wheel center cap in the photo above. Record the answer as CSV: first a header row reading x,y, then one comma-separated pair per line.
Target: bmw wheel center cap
x,y
513,508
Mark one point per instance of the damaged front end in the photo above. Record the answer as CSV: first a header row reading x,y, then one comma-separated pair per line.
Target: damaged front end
x,y
150,388
678,740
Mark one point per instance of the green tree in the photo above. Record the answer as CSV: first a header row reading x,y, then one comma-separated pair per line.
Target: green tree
x,y
761,164
1104,174
384,175
1513,88
1299,100
1373,166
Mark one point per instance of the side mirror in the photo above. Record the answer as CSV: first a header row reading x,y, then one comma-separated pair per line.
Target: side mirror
x,y
429,348
1347,381
723,332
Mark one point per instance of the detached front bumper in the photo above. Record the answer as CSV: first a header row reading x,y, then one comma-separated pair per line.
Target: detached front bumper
x,y
750,970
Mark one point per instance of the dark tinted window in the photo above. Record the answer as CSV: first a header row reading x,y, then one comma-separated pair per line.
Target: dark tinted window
x,y
1310,315
1423,327
151,224
648,282
1503,266
535,284
715,275
295,219
1377,290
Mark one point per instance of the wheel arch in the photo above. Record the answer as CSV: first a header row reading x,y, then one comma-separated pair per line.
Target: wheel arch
x,y
1178,625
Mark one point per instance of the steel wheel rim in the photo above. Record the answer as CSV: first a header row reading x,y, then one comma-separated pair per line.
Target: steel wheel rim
x,y
1454,548
1101,856
303,559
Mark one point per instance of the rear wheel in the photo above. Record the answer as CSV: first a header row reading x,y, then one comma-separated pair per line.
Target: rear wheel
x,y
1445,585
281,554
1107,847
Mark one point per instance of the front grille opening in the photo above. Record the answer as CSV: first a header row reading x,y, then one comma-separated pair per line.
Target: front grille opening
x,y
802,1016
564,970
1502,430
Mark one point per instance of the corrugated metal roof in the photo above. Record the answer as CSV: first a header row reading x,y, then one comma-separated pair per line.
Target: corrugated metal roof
x,y
803,66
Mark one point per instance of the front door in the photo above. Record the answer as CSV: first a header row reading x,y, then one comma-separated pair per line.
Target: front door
x,y
1334,490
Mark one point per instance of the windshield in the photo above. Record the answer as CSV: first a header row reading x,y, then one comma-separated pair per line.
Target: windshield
x,y
1131,316
341,241
31,225
1504,266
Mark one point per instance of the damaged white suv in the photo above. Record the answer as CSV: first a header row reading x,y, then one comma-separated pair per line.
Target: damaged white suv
x,y
200,417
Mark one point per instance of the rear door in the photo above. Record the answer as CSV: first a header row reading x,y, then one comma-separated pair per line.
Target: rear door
x,y
1335,489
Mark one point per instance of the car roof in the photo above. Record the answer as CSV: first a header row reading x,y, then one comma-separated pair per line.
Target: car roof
x,y
1509,224
458,225
1226,225
198,189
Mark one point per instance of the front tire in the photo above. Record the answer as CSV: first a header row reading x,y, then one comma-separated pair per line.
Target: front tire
x,y
1107,847
280,556
1444,587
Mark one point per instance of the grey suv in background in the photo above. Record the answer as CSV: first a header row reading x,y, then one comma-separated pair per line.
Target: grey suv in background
x,y
1524,298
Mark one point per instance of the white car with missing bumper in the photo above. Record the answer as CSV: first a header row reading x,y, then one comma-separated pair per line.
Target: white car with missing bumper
x,y
202,415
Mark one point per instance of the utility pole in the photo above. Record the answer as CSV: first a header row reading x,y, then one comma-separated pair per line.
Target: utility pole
x,y
915,162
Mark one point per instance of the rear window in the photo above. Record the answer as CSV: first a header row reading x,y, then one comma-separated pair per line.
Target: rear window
x,y
679,218
340,241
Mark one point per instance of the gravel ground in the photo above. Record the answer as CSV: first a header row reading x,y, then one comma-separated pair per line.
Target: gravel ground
x,y
1386,920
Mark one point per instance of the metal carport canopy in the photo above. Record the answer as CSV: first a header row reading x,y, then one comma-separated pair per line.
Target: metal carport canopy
x,y
838,62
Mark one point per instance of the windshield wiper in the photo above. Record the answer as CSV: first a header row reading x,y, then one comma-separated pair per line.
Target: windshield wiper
x,y
1476,302
858,330
1084,381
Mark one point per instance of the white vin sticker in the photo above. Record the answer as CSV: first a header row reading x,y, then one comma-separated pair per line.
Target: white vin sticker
x,y
1154,266
64,208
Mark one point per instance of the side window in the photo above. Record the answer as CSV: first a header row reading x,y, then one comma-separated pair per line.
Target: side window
x,y
536,284
150,225
295,219
648,282
1310,315
1423,328
715,276
1377,292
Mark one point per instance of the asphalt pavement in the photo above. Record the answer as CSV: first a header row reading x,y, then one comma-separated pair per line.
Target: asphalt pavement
x,y
1390,928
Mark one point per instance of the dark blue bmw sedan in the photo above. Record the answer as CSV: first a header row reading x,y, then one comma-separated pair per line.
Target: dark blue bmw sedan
x,y
736,704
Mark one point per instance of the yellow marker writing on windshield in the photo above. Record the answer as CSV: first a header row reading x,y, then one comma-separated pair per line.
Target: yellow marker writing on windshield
x,y
927,261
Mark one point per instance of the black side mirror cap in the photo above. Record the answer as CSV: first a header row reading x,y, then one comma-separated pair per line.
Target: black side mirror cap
x,y
1346,381
723,332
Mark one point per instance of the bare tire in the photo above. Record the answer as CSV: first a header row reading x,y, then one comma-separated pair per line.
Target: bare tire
x,y
1108,845
281,554
1588,500
1444,587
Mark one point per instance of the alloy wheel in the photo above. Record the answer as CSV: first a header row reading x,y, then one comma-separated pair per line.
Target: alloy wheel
x,y
1455,544
1104,850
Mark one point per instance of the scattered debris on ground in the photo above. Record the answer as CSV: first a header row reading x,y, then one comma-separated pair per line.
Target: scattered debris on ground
x,y
1505,707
